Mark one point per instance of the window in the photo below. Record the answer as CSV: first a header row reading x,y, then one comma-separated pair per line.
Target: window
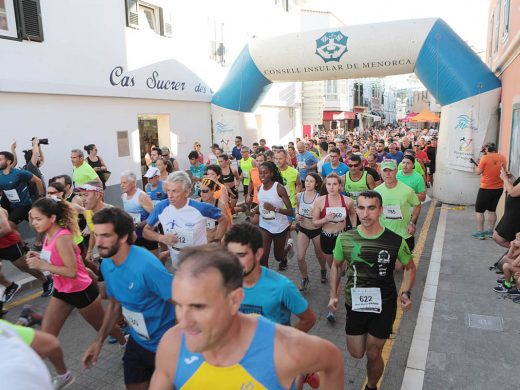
x,y
507,10
331,90
497,31
514,152
148,17
21,19
7,19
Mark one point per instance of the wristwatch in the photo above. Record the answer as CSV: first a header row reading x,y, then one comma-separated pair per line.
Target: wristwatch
x,y
407,293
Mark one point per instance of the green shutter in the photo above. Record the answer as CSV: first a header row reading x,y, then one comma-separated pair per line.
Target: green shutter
x,y
30,18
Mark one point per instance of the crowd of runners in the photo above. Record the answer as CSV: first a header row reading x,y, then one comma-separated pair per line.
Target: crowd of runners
x,y
191,290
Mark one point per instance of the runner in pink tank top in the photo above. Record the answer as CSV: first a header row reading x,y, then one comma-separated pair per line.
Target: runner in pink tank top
x,y
73,287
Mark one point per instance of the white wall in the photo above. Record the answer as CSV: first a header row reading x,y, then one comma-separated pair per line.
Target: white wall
x,y
71,122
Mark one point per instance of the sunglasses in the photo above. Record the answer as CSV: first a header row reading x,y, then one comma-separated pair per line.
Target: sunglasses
x,y
52,192
353,165
205,191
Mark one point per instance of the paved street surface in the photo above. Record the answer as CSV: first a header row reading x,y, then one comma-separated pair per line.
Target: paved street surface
x,y
451,356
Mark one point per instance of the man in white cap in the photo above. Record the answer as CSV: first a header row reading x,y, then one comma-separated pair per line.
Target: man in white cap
x,y
398,201
154,188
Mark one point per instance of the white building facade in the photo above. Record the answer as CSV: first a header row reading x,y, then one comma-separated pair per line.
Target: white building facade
x,y
126,74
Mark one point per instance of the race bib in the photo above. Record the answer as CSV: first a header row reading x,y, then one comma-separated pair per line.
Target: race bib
x,y
45,255
266,214
340,213
367,300
137,322
184,238
12,195
353,194
210,224
302,165
245,174
136,217
392,211
305,211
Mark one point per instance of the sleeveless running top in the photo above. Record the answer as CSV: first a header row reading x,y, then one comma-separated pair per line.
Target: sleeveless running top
x,y
156,195
246,166
255,370
51,255
269,220
133,207
9,240
340,213
354,188
305,209
229,178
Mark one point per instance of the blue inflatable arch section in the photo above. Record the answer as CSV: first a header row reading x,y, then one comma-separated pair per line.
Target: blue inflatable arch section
x,y
444,63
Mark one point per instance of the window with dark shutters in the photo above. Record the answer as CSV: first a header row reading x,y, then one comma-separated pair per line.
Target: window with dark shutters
x,y
29,16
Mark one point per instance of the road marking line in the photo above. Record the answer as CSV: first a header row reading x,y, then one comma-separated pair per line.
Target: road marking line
x,y
415,367
22,300
417,253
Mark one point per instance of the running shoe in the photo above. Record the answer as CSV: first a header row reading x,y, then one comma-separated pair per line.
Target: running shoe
x,y
283,265
9,292
111,340
488,233
48,287
29,317
513,291
290,248
323,273
516,299
478,235
501,280
331,317
63,381
500,289
304,283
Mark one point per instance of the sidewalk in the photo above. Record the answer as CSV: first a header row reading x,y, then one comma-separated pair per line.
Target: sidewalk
x,y
466,335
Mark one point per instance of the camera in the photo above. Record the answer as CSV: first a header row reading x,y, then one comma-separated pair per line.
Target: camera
x,y
42,141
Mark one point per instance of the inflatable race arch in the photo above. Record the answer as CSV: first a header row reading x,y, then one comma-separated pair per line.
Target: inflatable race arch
x,y
465,87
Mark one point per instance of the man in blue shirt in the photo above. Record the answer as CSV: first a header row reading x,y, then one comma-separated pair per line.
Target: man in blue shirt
x,y
334,165
139,287
237,149
267,292
14,185
394,154
307,162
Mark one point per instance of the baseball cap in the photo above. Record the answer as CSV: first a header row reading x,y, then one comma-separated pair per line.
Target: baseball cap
x,y
389,164
94,185
152,172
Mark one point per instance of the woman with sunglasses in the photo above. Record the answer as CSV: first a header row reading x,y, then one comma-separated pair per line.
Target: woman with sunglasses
x,y
73,287
208,187
331,211
196,148
274,207
307,231
230,178
214,172
96,162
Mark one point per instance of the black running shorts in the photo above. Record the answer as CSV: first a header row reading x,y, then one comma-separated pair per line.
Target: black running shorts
x,y
138,363
377,325
487,200
80,299
13,252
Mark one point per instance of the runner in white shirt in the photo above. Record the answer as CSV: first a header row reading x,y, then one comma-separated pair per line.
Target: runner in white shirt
x,y
183,219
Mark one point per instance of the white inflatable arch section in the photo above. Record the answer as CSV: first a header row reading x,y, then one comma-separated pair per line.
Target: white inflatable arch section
x,y
465,87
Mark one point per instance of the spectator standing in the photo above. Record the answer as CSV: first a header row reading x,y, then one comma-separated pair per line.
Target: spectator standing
x,y
97,163
510,222
490,191
237,149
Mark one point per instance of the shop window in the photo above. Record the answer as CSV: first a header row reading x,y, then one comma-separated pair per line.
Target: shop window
x,y
148,17
21,19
